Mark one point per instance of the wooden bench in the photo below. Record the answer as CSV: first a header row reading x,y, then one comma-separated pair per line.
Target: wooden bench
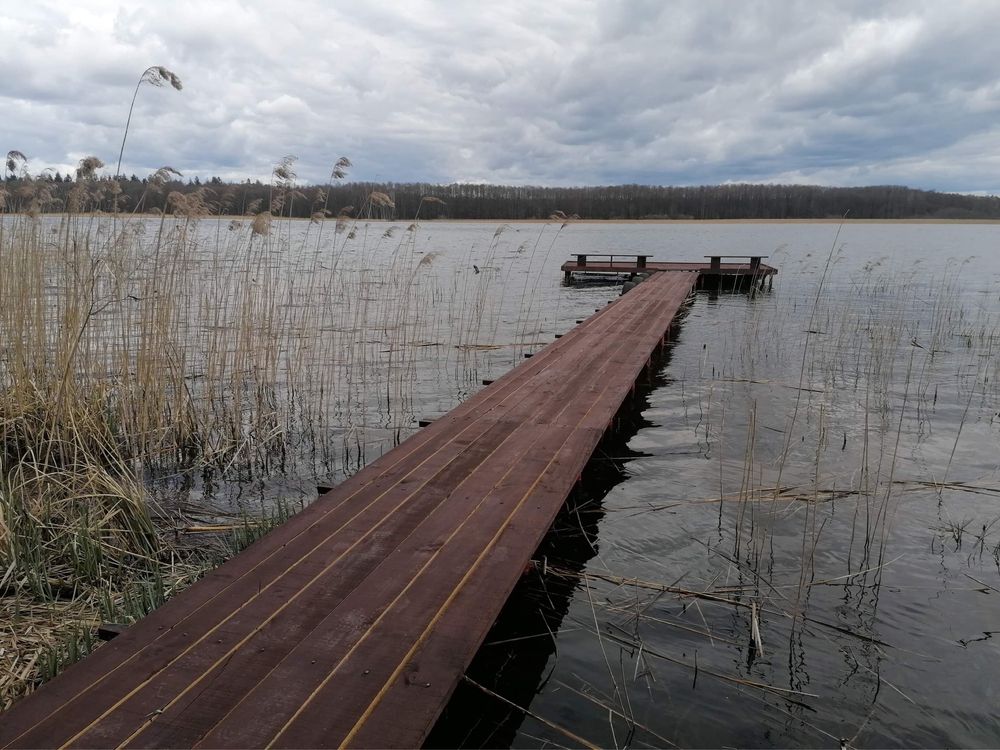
x,y
640,260
716,260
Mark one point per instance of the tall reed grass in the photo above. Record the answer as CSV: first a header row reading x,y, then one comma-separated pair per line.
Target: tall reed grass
x,y
154,369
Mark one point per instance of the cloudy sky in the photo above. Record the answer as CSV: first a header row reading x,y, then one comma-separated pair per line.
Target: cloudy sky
x,y
559,92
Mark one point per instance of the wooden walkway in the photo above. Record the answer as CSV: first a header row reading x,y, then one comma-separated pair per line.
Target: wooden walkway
x,y
351,624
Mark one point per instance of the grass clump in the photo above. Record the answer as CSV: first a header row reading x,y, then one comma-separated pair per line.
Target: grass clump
x,y
78,542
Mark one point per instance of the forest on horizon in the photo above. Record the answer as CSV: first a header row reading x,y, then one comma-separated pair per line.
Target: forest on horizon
x,y
408,201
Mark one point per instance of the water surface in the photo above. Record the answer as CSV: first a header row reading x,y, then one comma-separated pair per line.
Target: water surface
x,y
825,455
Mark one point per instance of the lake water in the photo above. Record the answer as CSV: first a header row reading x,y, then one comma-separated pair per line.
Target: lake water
x,y
793,538
824,456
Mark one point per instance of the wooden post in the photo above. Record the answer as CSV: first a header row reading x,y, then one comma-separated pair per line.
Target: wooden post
x,y
640,261
581,260
716,264
754,263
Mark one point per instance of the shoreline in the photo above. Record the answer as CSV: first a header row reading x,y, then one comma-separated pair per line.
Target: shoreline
x,y
495,222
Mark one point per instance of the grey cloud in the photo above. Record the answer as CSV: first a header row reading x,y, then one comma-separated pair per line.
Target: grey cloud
x,y
563,92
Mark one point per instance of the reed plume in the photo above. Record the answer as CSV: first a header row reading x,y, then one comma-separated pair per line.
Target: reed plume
x,y
155,75
17,162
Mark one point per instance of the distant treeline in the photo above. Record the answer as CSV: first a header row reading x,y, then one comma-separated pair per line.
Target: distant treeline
x,y
406,201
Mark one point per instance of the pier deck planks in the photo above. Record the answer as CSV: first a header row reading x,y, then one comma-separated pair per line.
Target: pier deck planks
x,y
352,623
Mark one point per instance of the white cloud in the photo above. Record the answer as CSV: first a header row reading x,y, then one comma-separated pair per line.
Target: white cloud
x,y
564,92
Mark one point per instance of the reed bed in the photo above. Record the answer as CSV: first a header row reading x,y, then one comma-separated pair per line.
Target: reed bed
x,y
165,379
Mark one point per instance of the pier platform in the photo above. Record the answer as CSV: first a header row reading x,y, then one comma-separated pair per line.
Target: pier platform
x,y
715,274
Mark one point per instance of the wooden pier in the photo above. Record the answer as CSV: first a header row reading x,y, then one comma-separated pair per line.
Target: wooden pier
x,y
712,275
351,624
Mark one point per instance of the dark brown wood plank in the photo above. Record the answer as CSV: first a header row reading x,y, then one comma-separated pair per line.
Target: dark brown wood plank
x,y
438,662
386,654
